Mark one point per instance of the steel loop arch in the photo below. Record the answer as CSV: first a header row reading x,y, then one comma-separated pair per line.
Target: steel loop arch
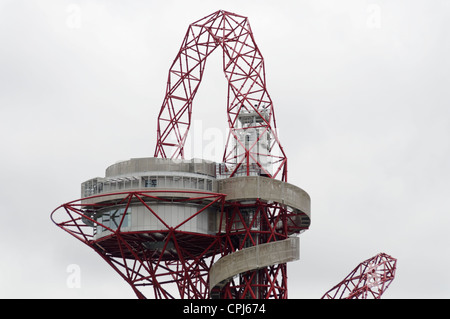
x,y
244,70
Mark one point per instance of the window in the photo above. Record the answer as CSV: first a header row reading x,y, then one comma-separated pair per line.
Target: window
x,y
201,183
112,218
150,182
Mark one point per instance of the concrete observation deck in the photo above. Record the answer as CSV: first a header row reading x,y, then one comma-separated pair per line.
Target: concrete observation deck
x,y
179,179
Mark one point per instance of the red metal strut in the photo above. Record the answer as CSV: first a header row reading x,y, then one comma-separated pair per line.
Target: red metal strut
x,y
368,280
243,66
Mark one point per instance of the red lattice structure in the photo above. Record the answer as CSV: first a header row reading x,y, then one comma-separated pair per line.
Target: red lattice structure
x,y
244,70
369,280
258,210
154,258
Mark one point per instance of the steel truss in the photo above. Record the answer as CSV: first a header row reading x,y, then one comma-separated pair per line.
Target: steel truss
x,y
154,259
244,70
369,280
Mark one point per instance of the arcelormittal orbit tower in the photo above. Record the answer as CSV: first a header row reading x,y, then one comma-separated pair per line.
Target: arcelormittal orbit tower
x,y
191,228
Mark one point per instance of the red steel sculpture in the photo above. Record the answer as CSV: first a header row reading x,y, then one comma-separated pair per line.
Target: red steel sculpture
x,y
140,233
369,280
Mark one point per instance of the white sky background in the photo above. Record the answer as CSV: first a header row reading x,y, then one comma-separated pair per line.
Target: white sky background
x,y
361,96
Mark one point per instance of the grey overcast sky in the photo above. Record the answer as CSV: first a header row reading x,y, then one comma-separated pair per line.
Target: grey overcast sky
x,y
361,96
